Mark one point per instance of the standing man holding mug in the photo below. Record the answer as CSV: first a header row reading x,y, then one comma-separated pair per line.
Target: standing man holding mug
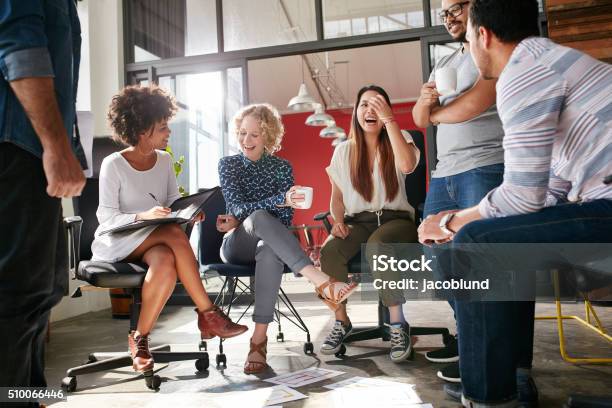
x,y
469,140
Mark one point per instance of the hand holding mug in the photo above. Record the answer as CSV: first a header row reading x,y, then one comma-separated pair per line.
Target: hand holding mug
x,y
299,197
429,94
294,197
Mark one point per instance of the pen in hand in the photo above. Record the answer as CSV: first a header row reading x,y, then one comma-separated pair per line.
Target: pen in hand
x,y
160,211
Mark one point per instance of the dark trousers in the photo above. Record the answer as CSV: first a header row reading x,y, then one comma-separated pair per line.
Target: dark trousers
x,y
491,344
33,266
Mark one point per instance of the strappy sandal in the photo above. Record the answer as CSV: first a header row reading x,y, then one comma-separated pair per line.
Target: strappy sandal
x,y
331,299
257,367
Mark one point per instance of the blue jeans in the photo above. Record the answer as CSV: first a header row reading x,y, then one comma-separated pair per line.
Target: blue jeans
x,y
457,192
491,342
462,190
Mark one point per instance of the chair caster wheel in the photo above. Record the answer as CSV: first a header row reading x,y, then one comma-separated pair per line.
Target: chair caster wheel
x,y
280,337
202,364
221,360
340,353
203,346
69,384
308,348
153,381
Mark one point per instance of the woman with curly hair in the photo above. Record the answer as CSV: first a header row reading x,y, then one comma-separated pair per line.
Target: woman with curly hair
x,y
138,183
260,196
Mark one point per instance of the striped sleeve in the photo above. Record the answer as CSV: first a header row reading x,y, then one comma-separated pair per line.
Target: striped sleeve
x,y
530,102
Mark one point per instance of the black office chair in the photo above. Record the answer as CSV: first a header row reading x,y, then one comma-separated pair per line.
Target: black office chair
x,y
128,276
415,192
235,284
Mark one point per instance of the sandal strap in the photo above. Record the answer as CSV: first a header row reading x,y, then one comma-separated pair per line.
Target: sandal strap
x,y
260,348
329,284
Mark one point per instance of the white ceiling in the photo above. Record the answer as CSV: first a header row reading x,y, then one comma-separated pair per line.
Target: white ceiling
x,y
395,67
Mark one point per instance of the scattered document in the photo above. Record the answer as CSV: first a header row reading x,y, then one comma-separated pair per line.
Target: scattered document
x,y
261,397
368,392
304,377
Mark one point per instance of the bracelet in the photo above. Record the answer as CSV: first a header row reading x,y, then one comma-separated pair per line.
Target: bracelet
x,y
386,121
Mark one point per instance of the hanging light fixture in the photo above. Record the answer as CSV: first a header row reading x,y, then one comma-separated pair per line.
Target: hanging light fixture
x,y
303,101
338,140
332,131
319,118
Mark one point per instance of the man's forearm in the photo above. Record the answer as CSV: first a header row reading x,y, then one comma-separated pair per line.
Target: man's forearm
x,y
37,96
420,114
468,105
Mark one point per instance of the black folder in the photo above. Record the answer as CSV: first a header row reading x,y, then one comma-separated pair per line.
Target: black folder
x,y
184,209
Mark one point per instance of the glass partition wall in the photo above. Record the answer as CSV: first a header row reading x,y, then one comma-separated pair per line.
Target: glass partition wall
x,y
201,49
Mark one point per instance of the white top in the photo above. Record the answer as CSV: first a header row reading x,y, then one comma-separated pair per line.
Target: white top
x,y
125,192
340,172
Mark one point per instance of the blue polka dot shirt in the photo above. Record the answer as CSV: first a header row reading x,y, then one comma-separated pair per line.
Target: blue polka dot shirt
x,y
261,185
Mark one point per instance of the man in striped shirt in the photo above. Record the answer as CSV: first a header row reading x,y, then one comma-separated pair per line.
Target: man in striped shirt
x,y
555,104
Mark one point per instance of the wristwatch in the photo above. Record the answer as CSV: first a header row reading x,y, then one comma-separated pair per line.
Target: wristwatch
x,y
446,219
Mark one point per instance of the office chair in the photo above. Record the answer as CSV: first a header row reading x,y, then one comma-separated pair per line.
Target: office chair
x,y
415,192
128,276
237,278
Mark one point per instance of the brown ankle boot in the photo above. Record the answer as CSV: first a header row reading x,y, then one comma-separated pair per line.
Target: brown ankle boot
x,y
142,360
214,322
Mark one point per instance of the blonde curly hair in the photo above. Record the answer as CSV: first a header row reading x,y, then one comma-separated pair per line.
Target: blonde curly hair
x,y
270,122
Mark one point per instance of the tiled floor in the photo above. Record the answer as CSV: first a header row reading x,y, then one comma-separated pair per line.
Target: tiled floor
x,y
73,339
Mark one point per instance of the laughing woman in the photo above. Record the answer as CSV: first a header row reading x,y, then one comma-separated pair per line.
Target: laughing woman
x,y
138,183
369,205
260,196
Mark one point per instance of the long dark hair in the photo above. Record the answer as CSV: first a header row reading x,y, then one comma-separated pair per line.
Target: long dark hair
x,y
361,178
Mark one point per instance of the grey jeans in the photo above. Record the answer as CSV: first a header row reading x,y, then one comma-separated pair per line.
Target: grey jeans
x,y
262,239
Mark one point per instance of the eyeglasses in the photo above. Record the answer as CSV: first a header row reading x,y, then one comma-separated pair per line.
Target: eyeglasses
x,y
455,11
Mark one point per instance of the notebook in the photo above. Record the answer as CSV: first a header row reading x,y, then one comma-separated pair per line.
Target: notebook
x,y
184,209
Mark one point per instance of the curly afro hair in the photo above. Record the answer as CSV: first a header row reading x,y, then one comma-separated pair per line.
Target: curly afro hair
x,y
137,109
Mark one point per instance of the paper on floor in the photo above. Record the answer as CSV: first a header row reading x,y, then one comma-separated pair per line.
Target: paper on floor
x,y
304,377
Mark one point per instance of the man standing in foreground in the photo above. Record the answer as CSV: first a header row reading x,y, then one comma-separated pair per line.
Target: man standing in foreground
x,y
555,106
39,60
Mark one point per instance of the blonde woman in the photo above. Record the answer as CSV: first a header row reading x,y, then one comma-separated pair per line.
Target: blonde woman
x,y
260,196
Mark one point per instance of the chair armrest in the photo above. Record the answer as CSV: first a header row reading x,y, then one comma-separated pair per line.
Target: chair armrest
x,y
324,217
73,228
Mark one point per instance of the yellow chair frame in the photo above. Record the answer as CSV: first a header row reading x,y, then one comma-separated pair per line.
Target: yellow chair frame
x,y
596,326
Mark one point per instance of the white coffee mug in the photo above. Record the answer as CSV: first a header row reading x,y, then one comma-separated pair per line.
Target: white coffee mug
x,y
307,193
446,80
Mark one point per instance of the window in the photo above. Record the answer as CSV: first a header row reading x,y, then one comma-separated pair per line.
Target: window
x,y
343,18
166,29
199,131
262,23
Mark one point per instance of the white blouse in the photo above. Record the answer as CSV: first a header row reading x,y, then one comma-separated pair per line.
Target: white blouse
x,y
125,192
340,172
